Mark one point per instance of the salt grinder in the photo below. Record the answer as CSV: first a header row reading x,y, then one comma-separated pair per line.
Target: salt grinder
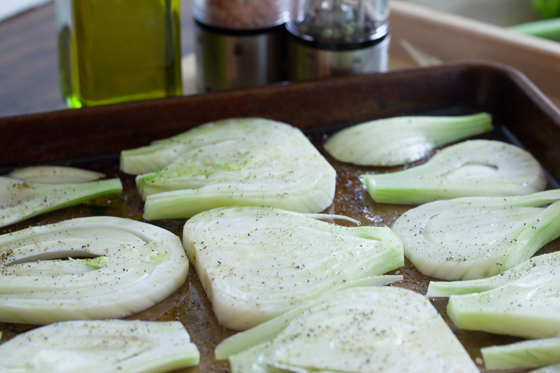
x,y
239,43
337,37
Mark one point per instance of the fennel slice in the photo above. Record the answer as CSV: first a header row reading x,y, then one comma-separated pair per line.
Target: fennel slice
x,y
143,264
522,301
20,200
400,140
236,162
365,329
477,237
468,169
204,138
532,268
548,369
100,346
525,354
55,174
270,329
256,263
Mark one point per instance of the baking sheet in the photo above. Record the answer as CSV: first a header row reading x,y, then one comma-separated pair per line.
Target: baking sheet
x,y
93,138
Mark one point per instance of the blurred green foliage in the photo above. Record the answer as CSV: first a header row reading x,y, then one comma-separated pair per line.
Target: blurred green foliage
x,y
547,8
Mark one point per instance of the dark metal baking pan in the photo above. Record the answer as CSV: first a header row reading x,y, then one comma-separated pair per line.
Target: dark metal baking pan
x,y
93,138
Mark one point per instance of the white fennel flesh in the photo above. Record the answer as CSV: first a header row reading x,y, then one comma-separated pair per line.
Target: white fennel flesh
x,y
548,369
21,200
364,329
399,140
525,354
133,267
522,301
256,263
478,237
100,346
468,169
235,162
55,174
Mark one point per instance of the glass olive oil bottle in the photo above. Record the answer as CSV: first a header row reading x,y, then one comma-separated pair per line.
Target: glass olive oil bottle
x,y
113,51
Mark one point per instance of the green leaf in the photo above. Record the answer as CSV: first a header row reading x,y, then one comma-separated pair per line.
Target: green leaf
x,y
547,8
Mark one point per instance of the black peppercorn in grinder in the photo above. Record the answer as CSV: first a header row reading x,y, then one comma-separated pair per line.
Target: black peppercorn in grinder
x,y
337,37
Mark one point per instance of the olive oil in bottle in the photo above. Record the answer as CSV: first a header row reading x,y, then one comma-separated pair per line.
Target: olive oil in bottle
x,y
114,51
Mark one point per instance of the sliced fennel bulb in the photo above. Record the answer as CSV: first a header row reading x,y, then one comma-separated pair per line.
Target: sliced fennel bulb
x,y
20,200
468,169
532,268
256,263
522,301
364,329
400,140
548,369
245,162
100,346
55,174
142,265
477,237
525,354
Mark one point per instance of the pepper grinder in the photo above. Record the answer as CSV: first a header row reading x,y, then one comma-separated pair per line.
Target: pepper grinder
x,y
239,43
337,37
